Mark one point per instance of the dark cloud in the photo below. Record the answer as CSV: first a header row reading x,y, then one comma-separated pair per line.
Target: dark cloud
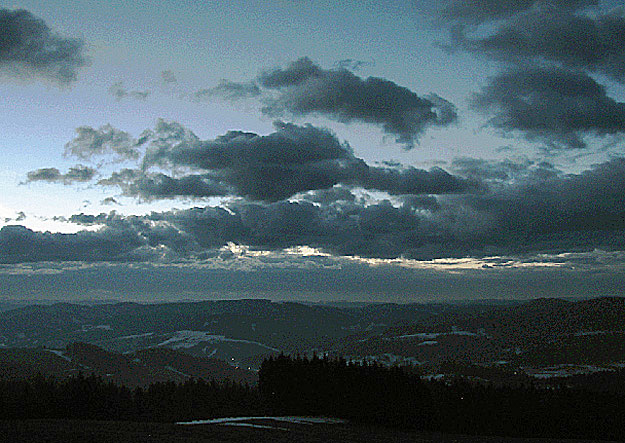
x,y
556,106
78,173
479,11
291,160
534,210
19,244
118,91
304,88
29,48
595,43
168,77
410,180
90,142
551,212
152,186
538,210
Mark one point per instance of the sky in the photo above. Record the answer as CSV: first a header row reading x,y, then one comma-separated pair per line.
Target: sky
x,y
365,150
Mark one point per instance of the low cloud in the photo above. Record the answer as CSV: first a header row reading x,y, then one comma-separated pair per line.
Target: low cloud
x,y
19,244
29,48
153,186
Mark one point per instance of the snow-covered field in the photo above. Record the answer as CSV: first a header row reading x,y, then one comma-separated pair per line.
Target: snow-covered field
x,y
188,339
385,359
435,335
565,370
244,421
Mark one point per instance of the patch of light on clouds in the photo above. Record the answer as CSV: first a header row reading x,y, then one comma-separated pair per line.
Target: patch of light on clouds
x,y
242,258
306,251
454,264
239,250
48,268
44,224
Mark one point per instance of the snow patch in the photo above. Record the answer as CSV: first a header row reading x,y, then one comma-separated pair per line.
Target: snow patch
x,y
435,335
252,425
130,337
187,339
60,354
87,328
287,419
176,371
584,333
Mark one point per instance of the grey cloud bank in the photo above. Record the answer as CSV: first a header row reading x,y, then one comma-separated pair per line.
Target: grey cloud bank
x,y
310,278
534,209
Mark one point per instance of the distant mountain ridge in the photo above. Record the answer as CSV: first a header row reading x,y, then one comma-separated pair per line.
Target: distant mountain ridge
x,y
541,331
538,332
287,326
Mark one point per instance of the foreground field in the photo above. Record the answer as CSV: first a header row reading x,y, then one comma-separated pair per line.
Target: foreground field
x,y
74,431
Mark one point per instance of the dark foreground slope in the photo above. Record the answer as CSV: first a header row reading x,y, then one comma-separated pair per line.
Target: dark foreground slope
x,y
71,431
139,368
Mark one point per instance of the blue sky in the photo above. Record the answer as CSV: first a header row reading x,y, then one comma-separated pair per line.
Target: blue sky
x,y
520,180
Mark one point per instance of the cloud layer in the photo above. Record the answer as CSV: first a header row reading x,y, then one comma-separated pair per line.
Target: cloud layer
x,y
524,208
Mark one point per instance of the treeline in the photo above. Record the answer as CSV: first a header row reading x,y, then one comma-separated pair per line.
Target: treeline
x,y
361,393
90,397
358,392
391,396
